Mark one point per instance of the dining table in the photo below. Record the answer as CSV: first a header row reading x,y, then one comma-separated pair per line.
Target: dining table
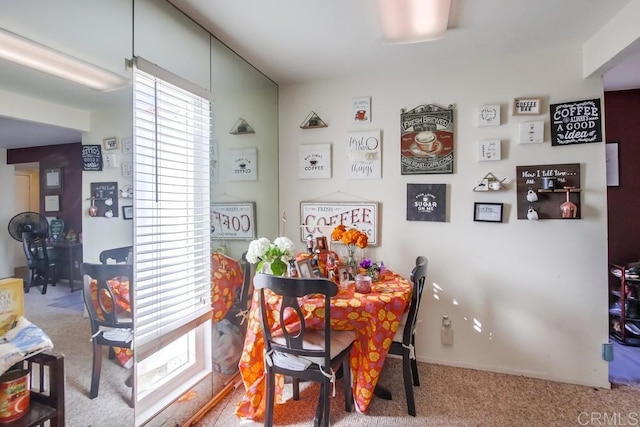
x,y
374,316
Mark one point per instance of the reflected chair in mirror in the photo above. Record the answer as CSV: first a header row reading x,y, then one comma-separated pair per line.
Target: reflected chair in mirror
x,y
117,255
404,341
42,270
111,323
300,352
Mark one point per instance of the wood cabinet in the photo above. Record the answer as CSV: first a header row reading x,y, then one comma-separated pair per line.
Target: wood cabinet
x,y
624,305
46,372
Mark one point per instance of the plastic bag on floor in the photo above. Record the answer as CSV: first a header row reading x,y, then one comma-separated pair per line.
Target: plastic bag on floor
x,y
226,347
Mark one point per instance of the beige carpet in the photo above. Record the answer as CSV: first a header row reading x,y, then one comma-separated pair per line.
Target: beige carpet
x,y
460,397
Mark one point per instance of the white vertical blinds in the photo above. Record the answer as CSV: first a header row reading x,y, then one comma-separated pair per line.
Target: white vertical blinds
x,y
172,285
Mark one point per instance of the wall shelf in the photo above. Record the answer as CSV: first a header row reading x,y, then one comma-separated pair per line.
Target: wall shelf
x,y
241,127
489,182
313,121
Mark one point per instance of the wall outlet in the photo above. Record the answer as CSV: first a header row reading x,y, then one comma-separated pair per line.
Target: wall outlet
x,y
446,332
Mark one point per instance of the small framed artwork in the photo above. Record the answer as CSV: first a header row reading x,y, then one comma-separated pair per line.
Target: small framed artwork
x,y
489,115
110,143
531,132
489,149
304,269
127,145
52,203
53,179
526,106
127,212
361,109
611,156
321,244
487,212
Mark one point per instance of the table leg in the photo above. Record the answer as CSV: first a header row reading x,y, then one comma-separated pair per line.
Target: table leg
x,y
382,392
71,269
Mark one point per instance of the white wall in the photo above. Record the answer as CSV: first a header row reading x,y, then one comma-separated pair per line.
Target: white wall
x,y
6,213
539,289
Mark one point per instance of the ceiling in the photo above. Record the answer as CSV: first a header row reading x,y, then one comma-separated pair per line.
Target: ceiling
x,y
293,41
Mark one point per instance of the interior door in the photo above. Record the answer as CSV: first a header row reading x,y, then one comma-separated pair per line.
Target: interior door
x,y
26,196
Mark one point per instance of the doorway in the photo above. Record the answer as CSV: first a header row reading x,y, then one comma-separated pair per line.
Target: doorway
x,y
26,199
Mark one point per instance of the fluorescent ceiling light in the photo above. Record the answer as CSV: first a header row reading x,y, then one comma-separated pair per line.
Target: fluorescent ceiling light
x,y
413,21
34,55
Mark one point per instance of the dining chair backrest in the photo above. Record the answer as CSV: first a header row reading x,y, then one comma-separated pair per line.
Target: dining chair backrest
x,y
117,255
35,249
418,279
291,289
247,281
102,305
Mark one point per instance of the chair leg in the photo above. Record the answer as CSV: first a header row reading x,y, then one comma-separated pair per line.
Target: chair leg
x,y
270,402
97,366
27,283
346,377
322,410
45,280
408,386
414,365
295,383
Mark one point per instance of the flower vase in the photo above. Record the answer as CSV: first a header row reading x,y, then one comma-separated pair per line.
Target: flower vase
x,y
351,258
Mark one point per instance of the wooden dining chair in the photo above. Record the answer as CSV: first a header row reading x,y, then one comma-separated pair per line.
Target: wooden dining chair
x,y
111,325
404,341
42,270
117,255
302,353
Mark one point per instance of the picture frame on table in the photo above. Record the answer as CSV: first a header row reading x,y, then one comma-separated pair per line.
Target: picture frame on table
x,y
127,212
321,244
346,273
304,269
110,143
487,212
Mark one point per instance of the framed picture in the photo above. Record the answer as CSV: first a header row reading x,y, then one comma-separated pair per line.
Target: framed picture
x,y
489,115
53,179
304,269
319,218
613,174
110,143
526,106
233,221
487,212
127,212
52,203
321,244
127,146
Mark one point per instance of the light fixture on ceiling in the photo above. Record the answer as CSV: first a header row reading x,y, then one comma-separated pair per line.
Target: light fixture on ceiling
x,y
413,21
34,55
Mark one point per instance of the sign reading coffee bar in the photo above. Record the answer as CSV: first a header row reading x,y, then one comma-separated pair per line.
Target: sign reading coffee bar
x,y
577,122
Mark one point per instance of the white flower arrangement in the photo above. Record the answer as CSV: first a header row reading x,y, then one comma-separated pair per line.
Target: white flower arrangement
x,y
276,254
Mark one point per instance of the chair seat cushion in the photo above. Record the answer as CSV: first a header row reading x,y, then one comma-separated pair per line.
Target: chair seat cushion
x,y
314,340
400,331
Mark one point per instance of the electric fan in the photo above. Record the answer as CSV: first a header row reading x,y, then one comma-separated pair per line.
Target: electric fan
x,y
28,222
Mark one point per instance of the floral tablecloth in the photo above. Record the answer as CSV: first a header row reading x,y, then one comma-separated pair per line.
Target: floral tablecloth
x,y
120,290
374,317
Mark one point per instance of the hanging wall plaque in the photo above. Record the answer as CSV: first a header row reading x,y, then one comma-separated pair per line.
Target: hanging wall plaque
x,y
427,202
576,122
426,140
92,157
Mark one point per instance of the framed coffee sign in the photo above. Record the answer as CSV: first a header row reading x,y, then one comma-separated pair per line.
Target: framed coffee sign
x,y
577,122
427,202
426,140
320,218
233,221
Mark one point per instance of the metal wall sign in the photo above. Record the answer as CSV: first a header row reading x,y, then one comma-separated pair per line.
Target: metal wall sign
x,y
233,221
577,122
426,140
320,218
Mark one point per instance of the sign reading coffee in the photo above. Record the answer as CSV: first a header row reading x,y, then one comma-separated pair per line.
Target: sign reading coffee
x,y
577,122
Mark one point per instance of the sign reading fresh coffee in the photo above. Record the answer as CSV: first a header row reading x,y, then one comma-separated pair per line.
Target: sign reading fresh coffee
x,y
234,221
319,219
576,122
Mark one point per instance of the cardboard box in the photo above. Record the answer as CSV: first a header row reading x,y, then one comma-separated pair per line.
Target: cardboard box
x,y
11,303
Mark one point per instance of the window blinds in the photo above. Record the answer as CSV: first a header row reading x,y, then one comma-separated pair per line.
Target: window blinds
x,y
172,285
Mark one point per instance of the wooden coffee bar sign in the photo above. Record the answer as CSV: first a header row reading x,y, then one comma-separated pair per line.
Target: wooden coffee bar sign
x,y
576,122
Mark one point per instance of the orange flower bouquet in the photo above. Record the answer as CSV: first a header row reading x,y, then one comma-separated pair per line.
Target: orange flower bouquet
x,y
351,238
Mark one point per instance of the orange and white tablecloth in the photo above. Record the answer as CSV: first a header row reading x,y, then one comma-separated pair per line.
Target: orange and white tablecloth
x,y
120,290
374,317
